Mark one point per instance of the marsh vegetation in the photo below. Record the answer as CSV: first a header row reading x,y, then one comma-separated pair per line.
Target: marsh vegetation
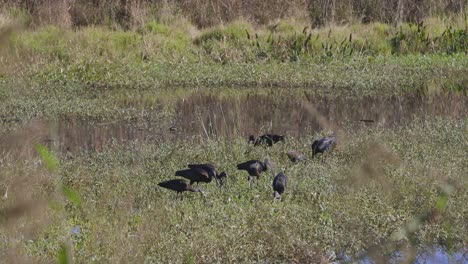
x,y
100,102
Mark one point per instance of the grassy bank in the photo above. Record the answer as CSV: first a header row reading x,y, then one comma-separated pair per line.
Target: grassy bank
x,y
237,42
146,90
375,191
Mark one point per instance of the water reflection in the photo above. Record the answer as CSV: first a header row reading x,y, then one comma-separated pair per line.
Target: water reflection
x,y
297,116
216,116
428,255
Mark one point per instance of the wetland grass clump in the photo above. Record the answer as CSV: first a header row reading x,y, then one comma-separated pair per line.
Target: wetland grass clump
x,y
414,37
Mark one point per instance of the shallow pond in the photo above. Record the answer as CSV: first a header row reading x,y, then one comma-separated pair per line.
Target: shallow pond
x,y
210,115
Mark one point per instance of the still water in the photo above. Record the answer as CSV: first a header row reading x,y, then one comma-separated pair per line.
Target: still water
x,y
209,115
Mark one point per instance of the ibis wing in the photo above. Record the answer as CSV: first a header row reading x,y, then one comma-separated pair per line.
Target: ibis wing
x,y
201,173
194,175
279,183
207,167
264,139
275,182
184,173
246,165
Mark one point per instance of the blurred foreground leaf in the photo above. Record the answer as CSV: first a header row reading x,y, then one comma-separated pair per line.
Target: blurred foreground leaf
x,y
62,257
47,157
72,196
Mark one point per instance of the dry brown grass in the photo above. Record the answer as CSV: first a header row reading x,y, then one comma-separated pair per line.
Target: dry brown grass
x,y
20,145
7,28
130,14
214,12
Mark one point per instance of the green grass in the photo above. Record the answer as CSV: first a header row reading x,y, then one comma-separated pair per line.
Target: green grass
x,y
369,189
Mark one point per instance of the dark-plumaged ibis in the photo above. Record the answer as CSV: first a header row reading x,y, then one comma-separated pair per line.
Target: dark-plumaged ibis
x,y
323,144
296,156
211,170
279,185
195,175
267,139
180,186
254,168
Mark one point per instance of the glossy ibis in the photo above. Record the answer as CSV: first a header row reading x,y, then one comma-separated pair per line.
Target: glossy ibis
x,y
211,170
323,144
180,186
254,168
279,184
296,156
267,139
195,175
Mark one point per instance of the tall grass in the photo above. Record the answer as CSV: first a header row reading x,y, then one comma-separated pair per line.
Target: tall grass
x,y
236,42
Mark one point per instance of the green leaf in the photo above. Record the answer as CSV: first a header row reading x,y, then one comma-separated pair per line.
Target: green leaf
x,y
47,157
72,196
62,257
441,202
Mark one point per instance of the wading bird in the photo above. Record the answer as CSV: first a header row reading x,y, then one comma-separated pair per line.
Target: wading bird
x,y
180,186
254,168
195,175
211,170
267,139
279,184
320,145
296,156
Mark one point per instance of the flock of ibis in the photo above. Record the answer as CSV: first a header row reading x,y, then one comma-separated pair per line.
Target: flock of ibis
x,y
197,173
